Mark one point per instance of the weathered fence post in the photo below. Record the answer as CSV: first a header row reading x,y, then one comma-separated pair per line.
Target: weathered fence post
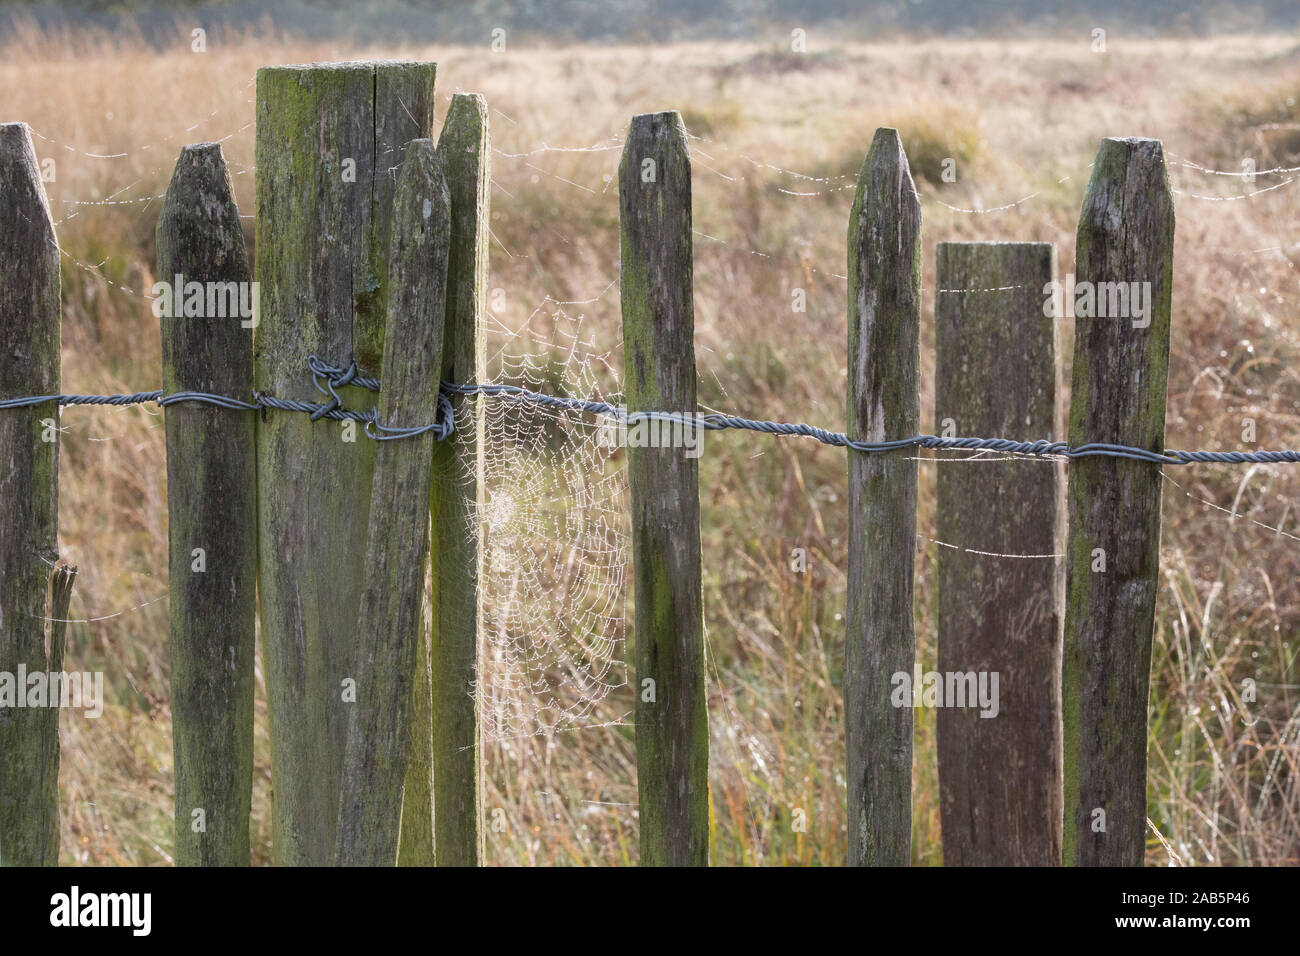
x,y
397,542
29,483
883,403
456,498
329,139
1124,265
672,723
207,346
1000,612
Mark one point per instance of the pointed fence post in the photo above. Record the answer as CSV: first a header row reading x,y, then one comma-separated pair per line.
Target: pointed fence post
x,y
457,496
29,485
883,403
329,141
211,509
672,724
397,542
1124,269
1000,590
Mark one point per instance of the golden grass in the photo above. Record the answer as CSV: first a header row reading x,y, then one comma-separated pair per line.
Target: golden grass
x,y
1022,120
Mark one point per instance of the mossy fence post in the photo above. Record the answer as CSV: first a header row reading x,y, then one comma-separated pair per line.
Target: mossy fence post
x,y
211,509
672,724
884,306
457,491
390,628
329,141
1000,584
29,484
1124,258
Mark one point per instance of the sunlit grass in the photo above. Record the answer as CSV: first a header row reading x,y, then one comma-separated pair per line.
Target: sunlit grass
x,y
775,155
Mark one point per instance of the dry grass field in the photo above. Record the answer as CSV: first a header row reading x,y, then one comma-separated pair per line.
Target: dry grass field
x,y
778,141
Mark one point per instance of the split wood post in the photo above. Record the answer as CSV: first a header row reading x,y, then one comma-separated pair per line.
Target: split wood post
x,y
329,141
672,724
29,484
389,629
1000,588
211,508
883,403
62,578
1124,253
457,496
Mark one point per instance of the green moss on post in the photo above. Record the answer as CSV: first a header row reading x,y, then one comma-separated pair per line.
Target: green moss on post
x,y
1121,364
29,449
328,138
397,541
212,514
415,839
883,403
672,732
457,497
1000,775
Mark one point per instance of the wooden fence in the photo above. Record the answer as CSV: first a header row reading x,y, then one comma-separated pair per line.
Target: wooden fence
x,y
372,248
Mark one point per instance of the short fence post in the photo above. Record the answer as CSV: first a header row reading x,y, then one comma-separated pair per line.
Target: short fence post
x,y
672,724
457,495
1000,611
1124,265
389,628
883,403
211,509
29,484
329,140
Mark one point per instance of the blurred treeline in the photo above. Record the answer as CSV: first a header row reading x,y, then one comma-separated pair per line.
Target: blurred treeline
x,y
532,21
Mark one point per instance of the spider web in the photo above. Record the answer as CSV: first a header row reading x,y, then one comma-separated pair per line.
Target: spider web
x,y
556,534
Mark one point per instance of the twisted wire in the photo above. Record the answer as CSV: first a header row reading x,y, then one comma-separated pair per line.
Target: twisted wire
x,y
329,378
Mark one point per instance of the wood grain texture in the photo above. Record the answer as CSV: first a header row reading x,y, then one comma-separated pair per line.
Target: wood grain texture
x,y
997,375
29,469
212,509
397,540
322,242
457,495
883,403
1126,234
62,578
672,729
415,839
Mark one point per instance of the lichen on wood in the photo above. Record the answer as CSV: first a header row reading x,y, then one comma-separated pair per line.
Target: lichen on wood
x,y
672,737
328,140
884,305
29,475
1121,364
212,515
